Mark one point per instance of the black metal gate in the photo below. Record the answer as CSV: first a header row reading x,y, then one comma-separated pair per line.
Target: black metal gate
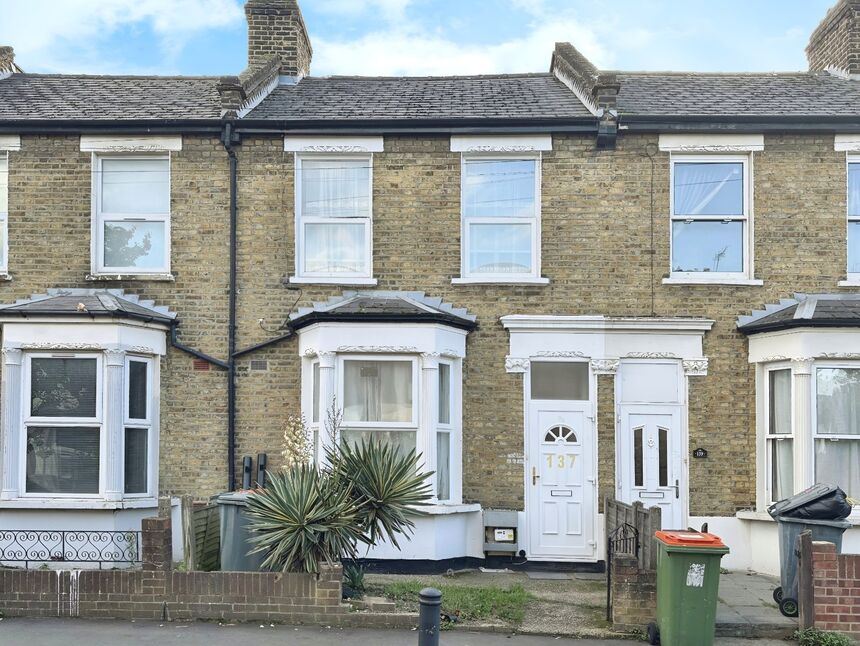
x,y
624,539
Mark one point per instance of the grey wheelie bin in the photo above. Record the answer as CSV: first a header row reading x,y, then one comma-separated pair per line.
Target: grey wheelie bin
x,y
235,535
820,509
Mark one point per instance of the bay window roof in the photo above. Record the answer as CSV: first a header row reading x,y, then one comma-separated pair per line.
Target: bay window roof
x,y
804,310
383,307
93,303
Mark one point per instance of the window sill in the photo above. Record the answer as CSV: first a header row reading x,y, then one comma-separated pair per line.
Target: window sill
x,y
5,277
500,281
740,282
321,280
161,278
763,516
441,509
849,282
78,503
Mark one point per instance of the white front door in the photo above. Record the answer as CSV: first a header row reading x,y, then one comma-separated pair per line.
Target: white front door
x,y
650,466
561,482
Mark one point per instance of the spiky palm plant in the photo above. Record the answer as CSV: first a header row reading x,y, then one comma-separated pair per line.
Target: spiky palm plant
x,y
385,484
303,519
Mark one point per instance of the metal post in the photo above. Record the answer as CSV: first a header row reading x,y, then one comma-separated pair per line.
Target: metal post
x,y
428,616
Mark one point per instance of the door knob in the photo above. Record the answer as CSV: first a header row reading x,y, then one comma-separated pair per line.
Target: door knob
x,y
535,476
677,494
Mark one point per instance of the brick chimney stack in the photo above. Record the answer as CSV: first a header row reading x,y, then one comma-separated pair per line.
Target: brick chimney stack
x,y
835,43
276,28
7,62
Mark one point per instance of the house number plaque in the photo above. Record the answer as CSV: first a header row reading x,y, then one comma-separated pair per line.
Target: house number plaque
x,y
700,453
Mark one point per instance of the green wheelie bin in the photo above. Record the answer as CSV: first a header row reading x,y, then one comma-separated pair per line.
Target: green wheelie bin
x,y
688,579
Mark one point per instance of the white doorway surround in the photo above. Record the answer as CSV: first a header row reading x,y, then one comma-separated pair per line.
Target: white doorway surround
x,y
653,358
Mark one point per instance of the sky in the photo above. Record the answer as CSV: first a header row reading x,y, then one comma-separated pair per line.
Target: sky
x,y
414,37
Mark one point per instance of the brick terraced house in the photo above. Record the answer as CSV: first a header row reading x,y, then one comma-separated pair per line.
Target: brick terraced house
x,y
556,286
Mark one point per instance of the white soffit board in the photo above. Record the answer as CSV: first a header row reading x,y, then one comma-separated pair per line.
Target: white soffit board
x,y
851,143
329,144
710,143
500,143
10,142
133,143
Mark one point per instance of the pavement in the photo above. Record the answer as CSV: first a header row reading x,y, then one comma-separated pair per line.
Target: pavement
x,y
746,607
62,632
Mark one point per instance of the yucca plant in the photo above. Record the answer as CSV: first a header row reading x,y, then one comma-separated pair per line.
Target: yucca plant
x,y
385,484
307,515
303,518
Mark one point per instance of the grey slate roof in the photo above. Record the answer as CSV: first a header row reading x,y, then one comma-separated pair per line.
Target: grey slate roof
x,y
352,98
804,310
369,306
779,94
89,302
58,97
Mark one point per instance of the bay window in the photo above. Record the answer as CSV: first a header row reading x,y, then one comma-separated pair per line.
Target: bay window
x,y
379,402
500,202
853,217
779,442
837,427
710,213
4,211
334,218
67,406
132,214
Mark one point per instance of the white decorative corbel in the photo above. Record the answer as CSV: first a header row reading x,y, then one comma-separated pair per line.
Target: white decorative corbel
x,y
605,366
695,367
516,364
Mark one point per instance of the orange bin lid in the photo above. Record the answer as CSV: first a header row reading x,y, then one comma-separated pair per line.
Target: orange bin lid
x,y
687,538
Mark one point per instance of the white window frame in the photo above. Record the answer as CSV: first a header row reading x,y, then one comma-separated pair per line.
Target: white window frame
x,y
533,276
66,422
853,278
336,278
147,424
740,277
447,428
412,425
4,215
771,438
99,218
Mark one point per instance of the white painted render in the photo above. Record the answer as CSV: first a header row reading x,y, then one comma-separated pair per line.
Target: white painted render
x,y
500,143
130,143
10,142
711,143
333,144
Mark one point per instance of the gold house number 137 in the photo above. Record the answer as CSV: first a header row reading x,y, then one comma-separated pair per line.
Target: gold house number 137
x,y
560,460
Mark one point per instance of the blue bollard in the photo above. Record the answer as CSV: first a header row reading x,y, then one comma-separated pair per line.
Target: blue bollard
x,y
429,616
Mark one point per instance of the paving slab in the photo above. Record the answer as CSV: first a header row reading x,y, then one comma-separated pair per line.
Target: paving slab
x,y
746,607
548,576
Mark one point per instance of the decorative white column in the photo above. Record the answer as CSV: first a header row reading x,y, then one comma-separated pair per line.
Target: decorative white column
x,y
429,410
804,472
114,393
10,436
327,401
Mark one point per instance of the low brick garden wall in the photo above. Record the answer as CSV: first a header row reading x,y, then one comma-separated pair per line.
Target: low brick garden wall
x,y
634,593
159,592
836,589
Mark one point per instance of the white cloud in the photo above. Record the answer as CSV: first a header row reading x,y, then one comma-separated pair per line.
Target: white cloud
x,y
388,9
69,35
407,49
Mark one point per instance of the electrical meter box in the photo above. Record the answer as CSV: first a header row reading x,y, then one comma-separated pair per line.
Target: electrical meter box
x,y
500,531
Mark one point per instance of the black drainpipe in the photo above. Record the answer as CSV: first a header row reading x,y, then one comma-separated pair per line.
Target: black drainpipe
x,y
229,139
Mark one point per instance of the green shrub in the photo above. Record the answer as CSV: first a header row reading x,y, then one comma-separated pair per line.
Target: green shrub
x,y
815,637
309,515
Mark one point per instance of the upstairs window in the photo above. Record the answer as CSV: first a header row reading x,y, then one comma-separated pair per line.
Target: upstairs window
x,y
710,217
854,217
501,218
132,223
4,211
333,218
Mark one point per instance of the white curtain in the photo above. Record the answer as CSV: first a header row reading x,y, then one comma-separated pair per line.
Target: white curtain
x,y
336,247
4,184
377,391
403,441
782,468
853,189
708,189
135,186
838,401
780,402
443,465
838,462
335,188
